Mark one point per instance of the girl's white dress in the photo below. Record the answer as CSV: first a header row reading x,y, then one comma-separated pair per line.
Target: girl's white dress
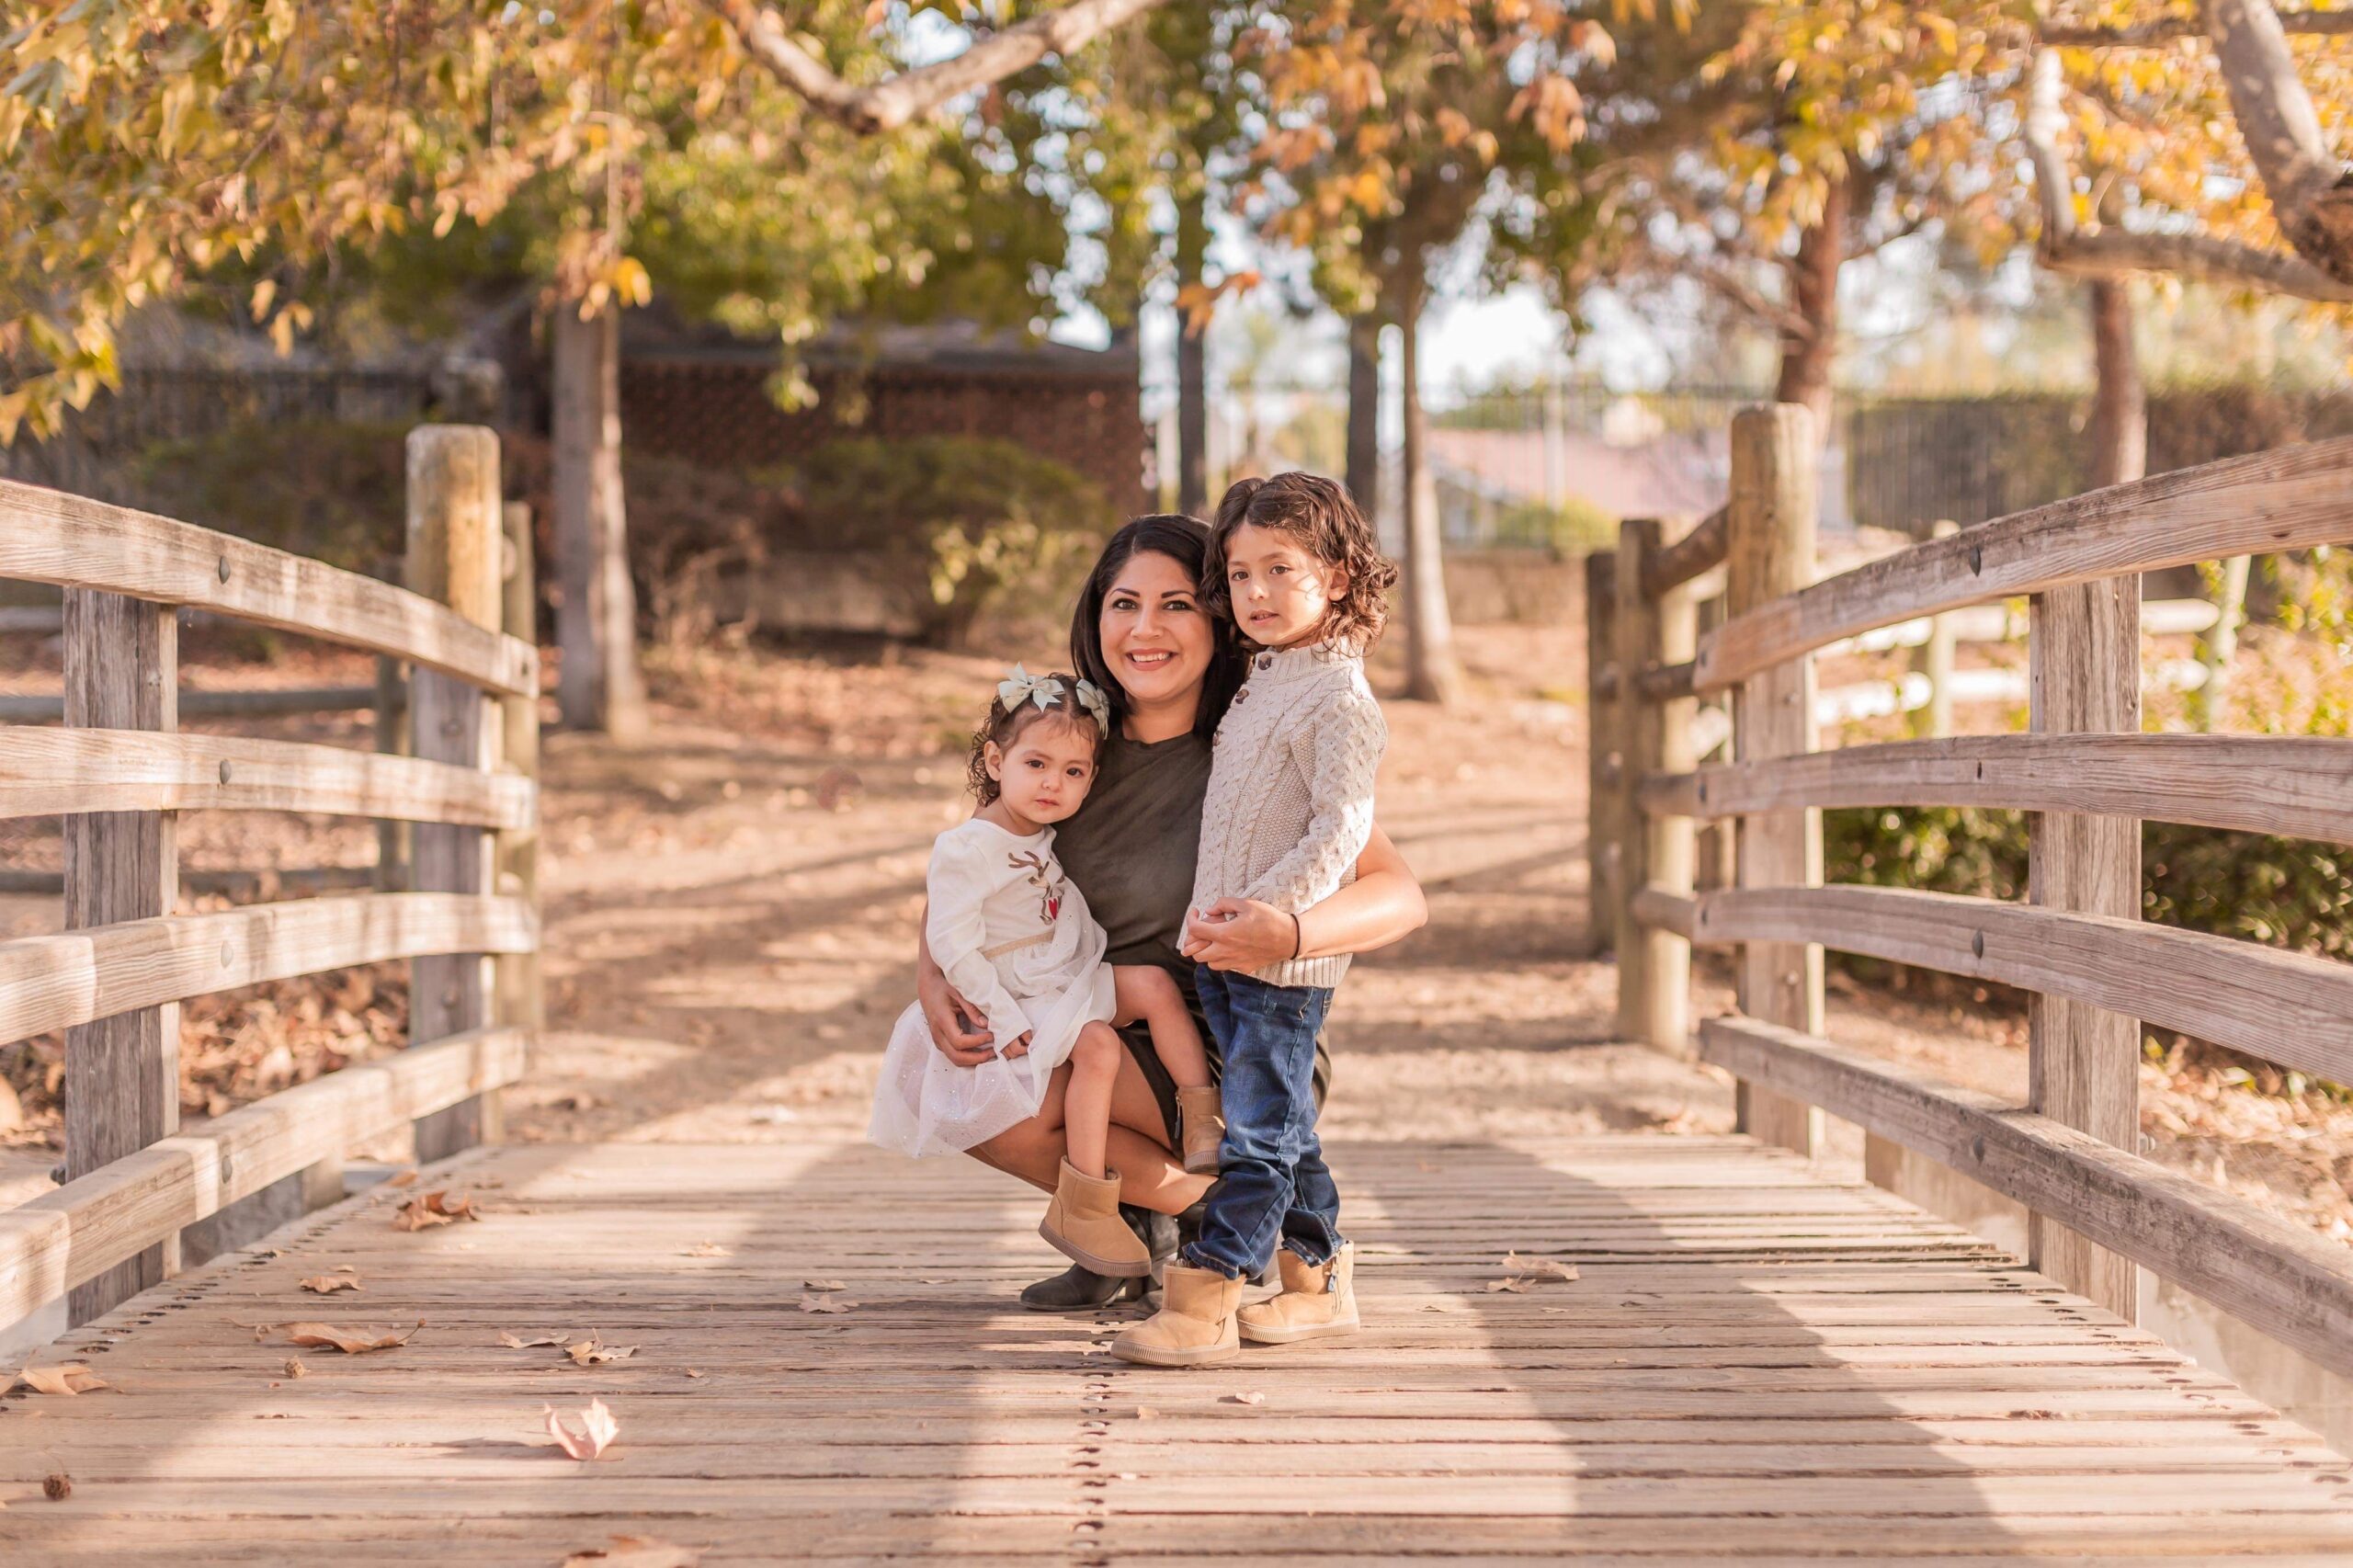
x,y
1016,941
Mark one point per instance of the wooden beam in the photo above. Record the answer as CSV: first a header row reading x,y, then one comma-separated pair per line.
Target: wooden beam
x,y
1697,551
456,542
2295,786
1664,683
58,982
53,772
1604,829
2269,1272
251,702
2290,498
515,849
83,1230
1769,558
1667,909
2083,1062
1654,963
47,536
122,1077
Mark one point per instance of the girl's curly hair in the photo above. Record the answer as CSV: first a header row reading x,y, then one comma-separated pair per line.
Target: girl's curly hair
x,y
1003,727
1325,520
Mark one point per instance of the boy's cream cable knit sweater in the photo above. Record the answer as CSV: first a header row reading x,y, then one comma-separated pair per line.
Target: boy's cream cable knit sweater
x,y
1290,804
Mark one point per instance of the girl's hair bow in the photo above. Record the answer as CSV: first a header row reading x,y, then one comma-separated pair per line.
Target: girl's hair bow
x,y
1021,687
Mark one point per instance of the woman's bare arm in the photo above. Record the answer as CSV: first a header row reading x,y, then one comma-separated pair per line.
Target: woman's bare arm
x,y
1384,904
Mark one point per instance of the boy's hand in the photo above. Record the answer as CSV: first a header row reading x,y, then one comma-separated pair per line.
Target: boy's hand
x,y
1238,933
958,1030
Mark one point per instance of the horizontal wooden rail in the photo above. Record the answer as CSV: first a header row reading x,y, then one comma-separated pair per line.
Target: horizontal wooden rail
x,y
52,772
47,536
54,982
2293,499
2269,1272
1664,683
252,702
1687,557
236,886
62,1239
1667,909
2296,786
2285,1007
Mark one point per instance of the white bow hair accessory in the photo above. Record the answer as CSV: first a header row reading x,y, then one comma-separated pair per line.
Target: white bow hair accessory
x,y
1021,687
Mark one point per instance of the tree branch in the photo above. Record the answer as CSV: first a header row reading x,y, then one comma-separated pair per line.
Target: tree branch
x,y
2170,29
2311,194
898,100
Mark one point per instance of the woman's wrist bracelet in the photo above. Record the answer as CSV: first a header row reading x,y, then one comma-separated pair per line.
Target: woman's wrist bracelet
x,y
1298,938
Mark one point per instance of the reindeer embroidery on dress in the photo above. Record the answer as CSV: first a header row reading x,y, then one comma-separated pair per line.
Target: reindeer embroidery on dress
x,y
1048,883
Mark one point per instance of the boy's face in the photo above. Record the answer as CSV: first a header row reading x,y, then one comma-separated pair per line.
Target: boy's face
x,y
1280,590
1044,774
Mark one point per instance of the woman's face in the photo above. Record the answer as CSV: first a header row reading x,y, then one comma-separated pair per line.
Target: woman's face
x,y
1156,635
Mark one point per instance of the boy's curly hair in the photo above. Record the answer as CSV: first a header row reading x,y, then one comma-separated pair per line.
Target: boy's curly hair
x,y
1325,520
1005,727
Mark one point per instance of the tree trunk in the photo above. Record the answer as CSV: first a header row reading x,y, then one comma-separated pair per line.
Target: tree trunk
x,y
2120,408
2311,194
1192,358
1809,357
599,688
1364,413
1431,673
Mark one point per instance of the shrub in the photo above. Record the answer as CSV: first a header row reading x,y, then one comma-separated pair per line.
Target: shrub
x,y
1575,528
966,526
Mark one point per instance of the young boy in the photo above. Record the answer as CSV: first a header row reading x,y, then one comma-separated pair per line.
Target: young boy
x,y
1289,811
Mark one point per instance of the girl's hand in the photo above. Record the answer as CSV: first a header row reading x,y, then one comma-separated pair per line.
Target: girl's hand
x,y
1238,933
958,1030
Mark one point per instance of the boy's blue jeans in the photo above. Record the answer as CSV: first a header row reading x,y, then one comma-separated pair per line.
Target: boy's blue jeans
x,y
1272,1183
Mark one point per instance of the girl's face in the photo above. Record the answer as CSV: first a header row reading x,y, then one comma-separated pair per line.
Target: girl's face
x,y
1044,774
1280,590
1156,637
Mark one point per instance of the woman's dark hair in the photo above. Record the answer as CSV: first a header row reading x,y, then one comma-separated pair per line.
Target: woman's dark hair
x,y
1327,522
1003,726
1185,541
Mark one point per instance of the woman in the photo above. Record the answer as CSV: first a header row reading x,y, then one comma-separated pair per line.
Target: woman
x,y
1142,634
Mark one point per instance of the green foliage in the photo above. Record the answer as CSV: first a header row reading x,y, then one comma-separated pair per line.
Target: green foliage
x,y
318,488
967,527
1577,526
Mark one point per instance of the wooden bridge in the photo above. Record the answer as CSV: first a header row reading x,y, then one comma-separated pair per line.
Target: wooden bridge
x,y
1640,1347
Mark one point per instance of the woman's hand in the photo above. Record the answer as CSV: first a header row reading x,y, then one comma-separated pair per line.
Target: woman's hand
x,y
1239,933
958,1030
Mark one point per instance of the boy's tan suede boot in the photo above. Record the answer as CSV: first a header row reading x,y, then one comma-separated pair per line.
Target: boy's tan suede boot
x,y
1194,1328
1083,1222
1202,1114
1316,1304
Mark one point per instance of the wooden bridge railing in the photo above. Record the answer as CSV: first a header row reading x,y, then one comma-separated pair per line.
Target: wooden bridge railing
x,y
2078,944
120,771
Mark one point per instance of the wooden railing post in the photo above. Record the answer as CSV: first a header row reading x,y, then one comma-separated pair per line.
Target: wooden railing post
x,y
1770,552
2083,1068
1604,829
123,1073
1655,736
515,854
455,543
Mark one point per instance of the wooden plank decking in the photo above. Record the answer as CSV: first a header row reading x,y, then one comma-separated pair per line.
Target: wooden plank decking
x,y
1756,1363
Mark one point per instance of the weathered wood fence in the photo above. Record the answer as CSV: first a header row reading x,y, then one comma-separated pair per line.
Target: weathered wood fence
x,y
118,773
2078,944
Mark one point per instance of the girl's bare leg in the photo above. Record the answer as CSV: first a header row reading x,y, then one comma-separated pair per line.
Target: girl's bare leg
x,y
1094,1065
1137,1146
1151,993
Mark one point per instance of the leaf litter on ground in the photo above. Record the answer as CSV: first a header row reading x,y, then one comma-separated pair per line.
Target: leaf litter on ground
x,y
350,1341
597,1430
72,1378
825,1304
328,1284
593,1352
435,1208
560,1341
635,1551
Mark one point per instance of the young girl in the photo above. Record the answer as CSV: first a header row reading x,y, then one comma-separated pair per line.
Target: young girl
x,y
1017,941
1288,810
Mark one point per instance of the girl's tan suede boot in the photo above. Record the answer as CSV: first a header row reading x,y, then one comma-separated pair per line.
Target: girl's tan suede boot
x,y
1194,1328
1083,1222
1316,1302
1202,1114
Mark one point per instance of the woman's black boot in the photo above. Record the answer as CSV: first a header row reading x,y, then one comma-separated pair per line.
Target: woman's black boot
x,y
1081,1290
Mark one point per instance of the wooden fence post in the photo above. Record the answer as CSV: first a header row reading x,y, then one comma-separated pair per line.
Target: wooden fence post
x,y
2083,1063
1717,848
515,854
1935,662
1770,523
1604,831
455,542
1655,736
123,1073
392,739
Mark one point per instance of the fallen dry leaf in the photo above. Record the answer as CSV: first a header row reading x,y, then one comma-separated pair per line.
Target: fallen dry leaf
x,y
1253,1397
294,1367
401,1178
820,1304
1146,1412
692,1372
592,1352
1540,1268
1437,1307
823,1285
562,1341
635,1551
351,1342
597,1430
72,1378
707,1249
1518,1286
435,1208
58,1487
328,1284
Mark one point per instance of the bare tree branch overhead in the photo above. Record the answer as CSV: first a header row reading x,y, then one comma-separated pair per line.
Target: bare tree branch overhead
x,y
909,95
